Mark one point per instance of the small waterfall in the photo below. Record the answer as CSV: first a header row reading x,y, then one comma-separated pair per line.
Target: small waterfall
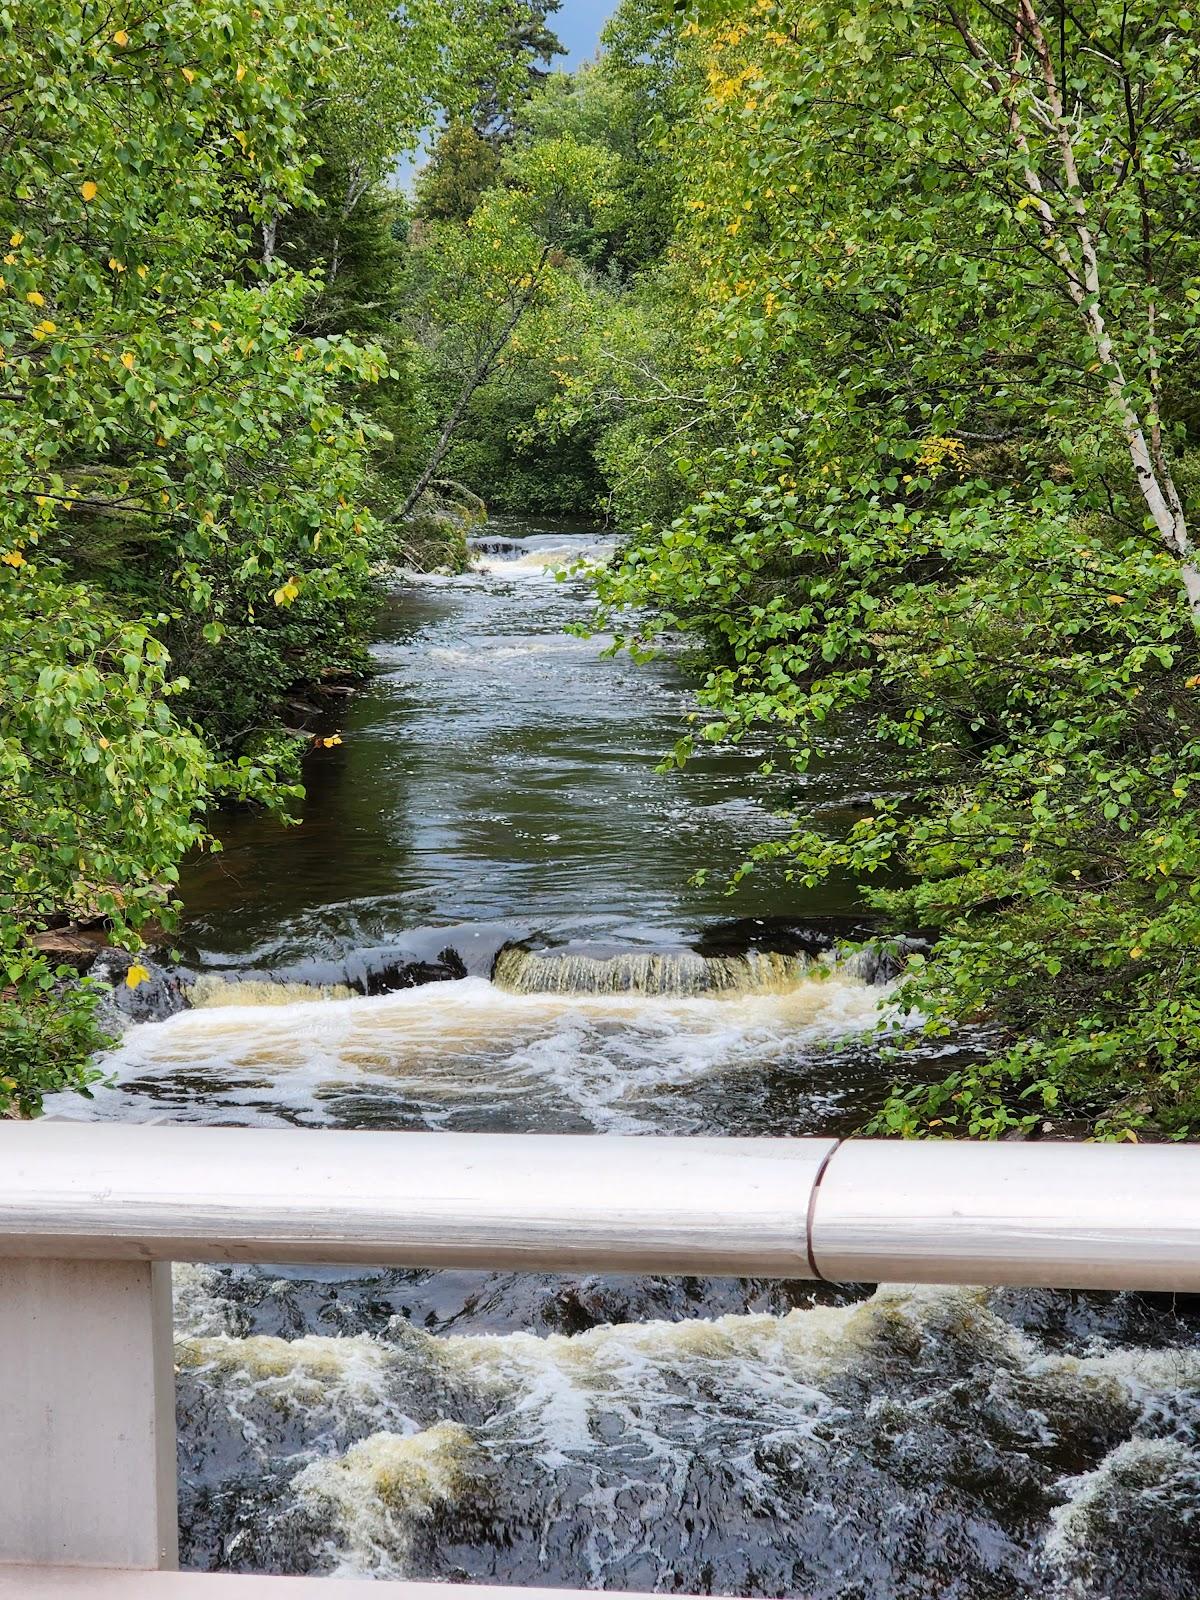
x,y
208,991
374,970
539,553
649,972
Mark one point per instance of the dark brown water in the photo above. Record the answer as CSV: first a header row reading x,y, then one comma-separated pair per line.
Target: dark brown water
x,y
498,782
498,772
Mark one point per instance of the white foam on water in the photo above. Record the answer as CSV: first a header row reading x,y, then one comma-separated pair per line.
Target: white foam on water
x,y
200,1310
667,1381
660,1391
536,557
481,656
343,1380
1157,1470
599,1061
1138,1479
621,1416
544,556
375,1494
1143,1372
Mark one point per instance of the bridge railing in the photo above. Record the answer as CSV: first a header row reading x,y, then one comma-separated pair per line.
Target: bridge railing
x,y
92,1215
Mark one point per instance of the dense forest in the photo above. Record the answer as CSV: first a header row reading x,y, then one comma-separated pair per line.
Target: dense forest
x,y
871,328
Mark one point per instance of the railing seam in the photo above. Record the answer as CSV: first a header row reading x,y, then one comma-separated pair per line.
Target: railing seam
x,y
810,1215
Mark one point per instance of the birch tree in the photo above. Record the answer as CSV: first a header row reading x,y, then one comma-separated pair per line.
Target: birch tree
x,y
951,251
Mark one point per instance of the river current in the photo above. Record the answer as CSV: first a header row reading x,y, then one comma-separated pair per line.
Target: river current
x,y
497,794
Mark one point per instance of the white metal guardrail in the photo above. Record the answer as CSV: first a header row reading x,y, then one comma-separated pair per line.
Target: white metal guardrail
x,y
84,1583
91,1215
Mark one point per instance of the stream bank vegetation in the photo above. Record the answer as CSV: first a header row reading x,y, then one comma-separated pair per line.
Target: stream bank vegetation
x,y
872,325
936,459
204,429
886,362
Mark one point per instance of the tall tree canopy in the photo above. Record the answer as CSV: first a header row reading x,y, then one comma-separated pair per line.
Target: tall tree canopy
x,y
185,467
943,268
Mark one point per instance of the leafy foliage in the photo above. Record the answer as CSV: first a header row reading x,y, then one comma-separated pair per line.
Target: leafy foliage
x,y
463,166
187,460
527,45
954,324
482,289
543,432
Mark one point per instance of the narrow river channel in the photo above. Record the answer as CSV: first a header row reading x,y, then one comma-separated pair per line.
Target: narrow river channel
x,y
486,920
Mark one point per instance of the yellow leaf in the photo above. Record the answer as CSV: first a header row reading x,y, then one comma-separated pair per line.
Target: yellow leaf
x,y
298,353
16,239
142,271
127,360
1191,683
35,299
1116,599
136,974
188,74
1136,952
286,593
13,558
89,191
117,266
10,260
240,73
121,38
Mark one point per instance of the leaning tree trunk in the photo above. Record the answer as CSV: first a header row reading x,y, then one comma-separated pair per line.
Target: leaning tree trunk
x,y
478,376
1081,270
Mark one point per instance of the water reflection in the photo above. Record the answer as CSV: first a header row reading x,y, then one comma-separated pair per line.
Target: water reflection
x,y
499,768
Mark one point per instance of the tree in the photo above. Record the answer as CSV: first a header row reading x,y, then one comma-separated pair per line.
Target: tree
x,y
463,166
164,425
511,258
946,259
394,73
527,47
467,154
1021,96
607,106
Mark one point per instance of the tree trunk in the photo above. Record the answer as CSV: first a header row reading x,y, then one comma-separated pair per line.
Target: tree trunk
x,y
1150,468
268,238
479,375
445,438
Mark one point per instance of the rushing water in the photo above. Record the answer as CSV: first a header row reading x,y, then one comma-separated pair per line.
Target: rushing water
x,y
497,796
498,779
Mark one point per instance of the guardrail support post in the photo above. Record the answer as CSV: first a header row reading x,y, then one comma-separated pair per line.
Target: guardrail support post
x,y
87,1414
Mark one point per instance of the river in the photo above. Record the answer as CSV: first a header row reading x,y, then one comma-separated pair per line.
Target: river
x,y
497,793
